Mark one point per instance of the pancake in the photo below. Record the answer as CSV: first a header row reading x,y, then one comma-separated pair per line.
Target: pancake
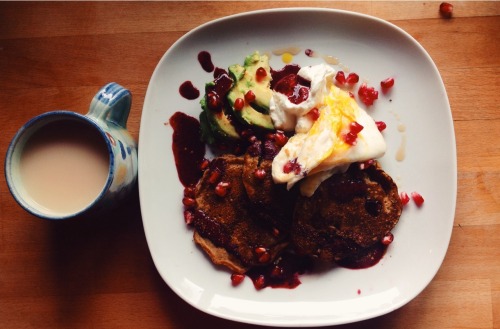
x,y
269,201
226,228
347,213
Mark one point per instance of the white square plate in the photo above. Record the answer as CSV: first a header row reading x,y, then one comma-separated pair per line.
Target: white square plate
x,y
373,48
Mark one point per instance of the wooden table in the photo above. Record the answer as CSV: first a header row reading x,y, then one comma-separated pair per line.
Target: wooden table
x,y
98,273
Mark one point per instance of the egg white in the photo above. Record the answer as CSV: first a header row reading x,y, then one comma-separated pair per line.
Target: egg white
x,y
318,146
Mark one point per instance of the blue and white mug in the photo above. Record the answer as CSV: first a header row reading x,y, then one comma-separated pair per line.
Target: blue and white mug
x,y
63,164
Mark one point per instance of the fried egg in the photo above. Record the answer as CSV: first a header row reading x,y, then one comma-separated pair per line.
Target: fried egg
x,y
316,154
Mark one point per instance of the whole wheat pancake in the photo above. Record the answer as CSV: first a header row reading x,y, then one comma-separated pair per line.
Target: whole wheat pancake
x,y
348,212
226,227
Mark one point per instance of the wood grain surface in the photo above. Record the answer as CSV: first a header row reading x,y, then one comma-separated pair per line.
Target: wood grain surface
x,y
98,273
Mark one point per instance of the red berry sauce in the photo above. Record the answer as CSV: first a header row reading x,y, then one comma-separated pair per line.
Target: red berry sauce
x,y
188,149
205,60
188,91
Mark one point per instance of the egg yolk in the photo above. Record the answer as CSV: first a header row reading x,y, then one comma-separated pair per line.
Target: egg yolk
x,y
338,111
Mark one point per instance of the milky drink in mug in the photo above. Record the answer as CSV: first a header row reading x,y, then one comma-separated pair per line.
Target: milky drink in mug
x,y
61,164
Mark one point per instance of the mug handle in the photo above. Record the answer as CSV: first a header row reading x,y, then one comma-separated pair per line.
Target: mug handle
x,y
111,103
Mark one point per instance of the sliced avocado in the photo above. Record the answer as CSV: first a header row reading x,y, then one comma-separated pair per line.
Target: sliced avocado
x,y
216,124
245,77
236,72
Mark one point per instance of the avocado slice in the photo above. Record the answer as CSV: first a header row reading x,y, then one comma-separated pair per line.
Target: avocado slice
x,y
246,78
216,125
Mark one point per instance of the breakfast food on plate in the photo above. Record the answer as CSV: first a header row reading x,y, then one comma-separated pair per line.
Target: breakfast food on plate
x,y
348,212
328,142
294,176
227,224
269,201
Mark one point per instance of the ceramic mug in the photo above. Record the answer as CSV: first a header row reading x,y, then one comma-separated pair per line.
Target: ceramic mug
x,y
62,164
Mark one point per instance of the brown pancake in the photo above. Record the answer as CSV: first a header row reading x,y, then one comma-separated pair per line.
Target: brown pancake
x,y
348,212
224,225
270,203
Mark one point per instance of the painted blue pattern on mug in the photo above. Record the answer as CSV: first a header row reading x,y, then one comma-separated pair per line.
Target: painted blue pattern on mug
x,y
122,149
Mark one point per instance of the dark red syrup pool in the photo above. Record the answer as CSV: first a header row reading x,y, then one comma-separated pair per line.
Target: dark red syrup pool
x,y
188,149
205,60
189,91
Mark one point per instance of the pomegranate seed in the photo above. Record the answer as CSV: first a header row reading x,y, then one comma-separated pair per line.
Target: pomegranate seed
x,y
381,125
237,278
276,232
355,127
404,198
367,94
259,173
350,138
292,165
250,96
189,191
259,282
303,94
204,164
222,188
446,9
188,217
188,202
366,164
387,239
255,149
313,113
260,250
214,176
340,77
264,258
297,170
387,83
270,136
213,101
288,167
351,94
352,78
280,138
277,272
238,104
270,150
417,198
260,74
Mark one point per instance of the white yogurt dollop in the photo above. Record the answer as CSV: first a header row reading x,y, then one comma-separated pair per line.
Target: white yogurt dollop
x,y
288,116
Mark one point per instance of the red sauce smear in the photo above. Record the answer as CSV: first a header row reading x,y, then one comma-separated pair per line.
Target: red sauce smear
x,y
365,259
205,60
188,91
284,272
188,149
277,75
287,82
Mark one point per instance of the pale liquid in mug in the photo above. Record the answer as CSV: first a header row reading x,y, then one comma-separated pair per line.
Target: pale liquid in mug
x,y
64,166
